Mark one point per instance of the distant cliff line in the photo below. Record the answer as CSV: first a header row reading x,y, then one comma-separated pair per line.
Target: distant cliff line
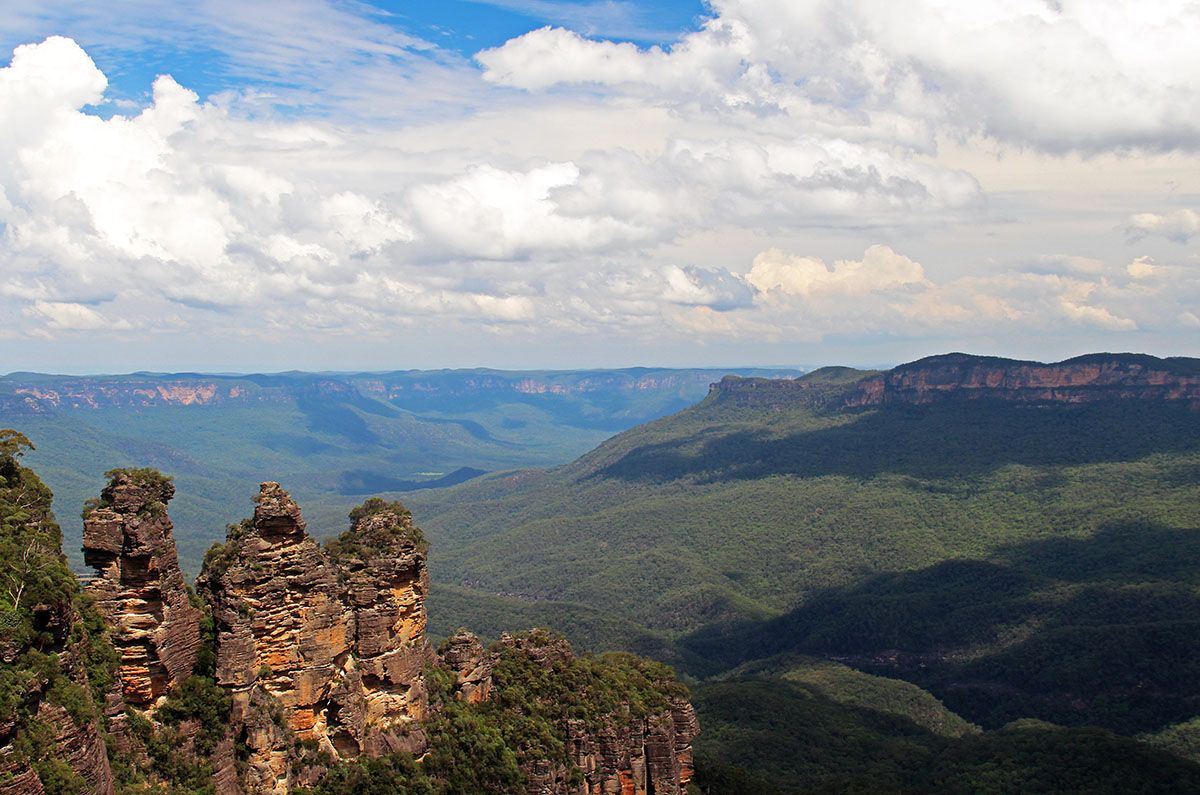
x,y
1091,378
35,392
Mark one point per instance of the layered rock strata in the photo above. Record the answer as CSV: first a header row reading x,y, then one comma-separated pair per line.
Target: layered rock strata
x,y
75,735
332,644
961,377
471,665
626,755
1087,379
382,562
139,587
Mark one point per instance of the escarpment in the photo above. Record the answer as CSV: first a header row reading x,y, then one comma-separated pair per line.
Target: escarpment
x,y
1086,379
296,662
951,377
139,587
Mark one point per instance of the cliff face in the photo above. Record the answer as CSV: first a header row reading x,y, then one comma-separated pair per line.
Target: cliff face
x,y
139,588
1087,379
382,561
318,657
610,749
30,393
51,663
958,377
471,665
335,648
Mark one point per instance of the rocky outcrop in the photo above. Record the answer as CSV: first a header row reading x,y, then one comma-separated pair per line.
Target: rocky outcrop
x,y
73,734
1086,379
381,559
471,665
619,752
818,389
80,745
961,377
333,644
16,776
139,588
284,633
652,756
319,656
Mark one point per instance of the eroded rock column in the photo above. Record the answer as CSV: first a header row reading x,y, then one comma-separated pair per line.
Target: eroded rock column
x,y
127,538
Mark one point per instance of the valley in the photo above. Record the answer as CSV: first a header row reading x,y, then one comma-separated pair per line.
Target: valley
x,y
334,438
962,571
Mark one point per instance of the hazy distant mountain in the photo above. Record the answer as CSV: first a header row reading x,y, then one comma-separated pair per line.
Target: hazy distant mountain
x,y
329,437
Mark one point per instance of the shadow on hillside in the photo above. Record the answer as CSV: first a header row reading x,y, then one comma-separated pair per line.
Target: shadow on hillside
x,y
949,440
1100,631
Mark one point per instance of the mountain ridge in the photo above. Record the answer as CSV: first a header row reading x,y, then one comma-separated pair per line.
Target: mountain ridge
x,y
951,376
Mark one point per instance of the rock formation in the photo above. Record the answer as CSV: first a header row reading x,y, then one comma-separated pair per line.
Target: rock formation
x,y
620,752
318,655
382,561
471,665
139,588
74,733
1086,379
957,376
334,644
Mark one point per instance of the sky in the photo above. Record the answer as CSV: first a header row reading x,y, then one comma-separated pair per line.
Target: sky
x,y
352,185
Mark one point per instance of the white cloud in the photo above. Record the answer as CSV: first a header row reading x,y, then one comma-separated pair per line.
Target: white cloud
x,y
880,269
715,289
499,214
63,316
780,177
1142,268
1177,225
1096,316
1077,74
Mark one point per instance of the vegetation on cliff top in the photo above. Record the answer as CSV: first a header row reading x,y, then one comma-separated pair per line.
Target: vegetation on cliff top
x,y
539,686
368,539
53,646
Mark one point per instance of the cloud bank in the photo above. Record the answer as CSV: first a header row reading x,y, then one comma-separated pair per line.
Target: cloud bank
x,y
778,177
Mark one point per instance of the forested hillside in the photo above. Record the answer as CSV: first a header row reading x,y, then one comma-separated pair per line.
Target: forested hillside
x,y
1032,555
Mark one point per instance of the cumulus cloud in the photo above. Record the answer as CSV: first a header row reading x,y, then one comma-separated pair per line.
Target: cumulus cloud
x,y
718,290
880,269
1075,74
1142,268
1179,226
156,202
497,214
587,187
1096,316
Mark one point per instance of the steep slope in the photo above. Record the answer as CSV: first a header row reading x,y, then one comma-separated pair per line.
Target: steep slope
x,y
138,586
56,663
1028,512
334,642
303,665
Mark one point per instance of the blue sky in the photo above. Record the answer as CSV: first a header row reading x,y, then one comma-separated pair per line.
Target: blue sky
x,y
463,27
331,184
471,25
